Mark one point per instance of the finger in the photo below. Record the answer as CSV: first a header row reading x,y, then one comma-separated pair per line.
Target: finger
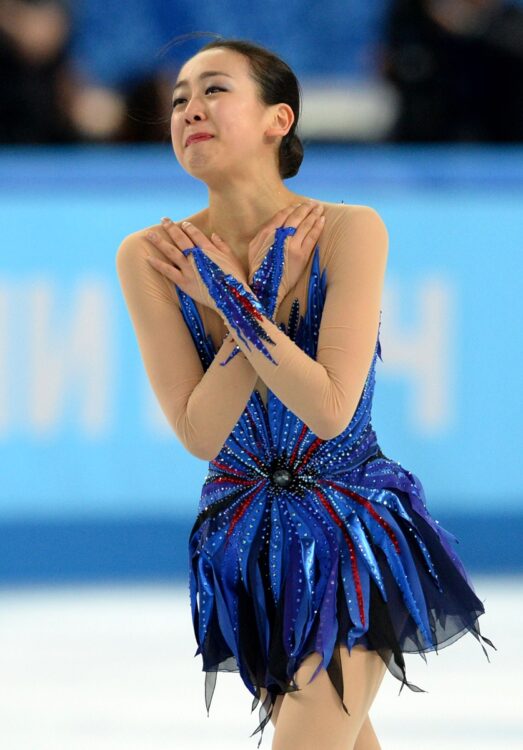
x,y
267,231
307,242
281,215
301,212
278,220
198,237
179,237
260,243
314,233
165,246
220,244
306,224
167,269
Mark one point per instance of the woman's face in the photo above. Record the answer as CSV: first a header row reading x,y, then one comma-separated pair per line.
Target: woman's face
x,y
226,106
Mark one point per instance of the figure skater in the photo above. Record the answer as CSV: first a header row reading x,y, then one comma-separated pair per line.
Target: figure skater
x,y
314,561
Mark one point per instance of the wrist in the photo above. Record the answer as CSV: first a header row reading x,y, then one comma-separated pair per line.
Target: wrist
x,y
228,336
246,292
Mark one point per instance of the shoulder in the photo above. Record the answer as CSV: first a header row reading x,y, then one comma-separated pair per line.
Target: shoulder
x,y
136,245
135,271
354,236
347,215
137,276
353,229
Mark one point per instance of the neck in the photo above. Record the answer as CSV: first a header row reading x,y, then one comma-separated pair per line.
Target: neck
x,y
238,211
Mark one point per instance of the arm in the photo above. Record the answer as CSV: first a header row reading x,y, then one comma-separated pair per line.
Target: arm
x,y
201,407
324,393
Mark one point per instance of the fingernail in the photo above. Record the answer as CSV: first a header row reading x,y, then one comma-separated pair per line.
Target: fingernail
x,y
151,235
165,220
186,223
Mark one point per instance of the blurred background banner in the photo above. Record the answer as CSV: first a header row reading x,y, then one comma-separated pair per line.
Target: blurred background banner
x,y
379,70
414,108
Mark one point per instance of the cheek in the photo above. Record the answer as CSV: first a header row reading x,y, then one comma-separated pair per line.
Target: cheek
x,y
240,131
176,125
177,129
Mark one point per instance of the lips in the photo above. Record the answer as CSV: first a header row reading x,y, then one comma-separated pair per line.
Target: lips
x,y
198,137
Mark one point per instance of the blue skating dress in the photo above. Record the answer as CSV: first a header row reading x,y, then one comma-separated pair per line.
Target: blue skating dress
x,y
302,544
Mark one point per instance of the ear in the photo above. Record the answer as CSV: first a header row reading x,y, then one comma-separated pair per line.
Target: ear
x,y
281,121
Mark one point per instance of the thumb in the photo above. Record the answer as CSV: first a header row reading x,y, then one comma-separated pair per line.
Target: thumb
x,y
219,242
257,255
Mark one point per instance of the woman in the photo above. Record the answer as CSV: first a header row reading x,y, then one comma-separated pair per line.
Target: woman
x,y
314,561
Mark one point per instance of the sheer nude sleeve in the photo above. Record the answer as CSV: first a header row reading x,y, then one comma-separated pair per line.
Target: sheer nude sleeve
x,y
201,407
324,393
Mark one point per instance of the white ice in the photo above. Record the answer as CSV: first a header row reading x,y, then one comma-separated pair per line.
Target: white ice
x,y
112,668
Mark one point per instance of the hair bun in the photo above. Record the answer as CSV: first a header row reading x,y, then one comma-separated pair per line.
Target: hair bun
x,y
291,155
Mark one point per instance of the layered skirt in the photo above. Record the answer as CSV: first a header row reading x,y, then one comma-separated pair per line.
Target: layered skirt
x,y
280,569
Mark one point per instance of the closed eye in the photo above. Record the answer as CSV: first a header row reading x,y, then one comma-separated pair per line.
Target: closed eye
x,y
181,99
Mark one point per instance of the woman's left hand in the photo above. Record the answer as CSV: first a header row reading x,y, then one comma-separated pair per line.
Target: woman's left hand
x,y
182,269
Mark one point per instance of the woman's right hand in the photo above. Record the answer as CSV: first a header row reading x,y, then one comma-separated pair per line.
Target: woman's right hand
x,y
309,221
178,263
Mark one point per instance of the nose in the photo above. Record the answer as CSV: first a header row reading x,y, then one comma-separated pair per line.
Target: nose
x,y
194,111
196,117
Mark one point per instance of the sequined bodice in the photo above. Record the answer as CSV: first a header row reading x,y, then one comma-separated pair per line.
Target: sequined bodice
x,y
268,438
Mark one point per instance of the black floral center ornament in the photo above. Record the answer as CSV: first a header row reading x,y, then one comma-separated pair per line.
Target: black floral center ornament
x,y
282,478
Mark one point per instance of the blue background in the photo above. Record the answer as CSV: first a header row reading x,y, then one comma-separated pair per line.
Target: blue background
x,y
94,482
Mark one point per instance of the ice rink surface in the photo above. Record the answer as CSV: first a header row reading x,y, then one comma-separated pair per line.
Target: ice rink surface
x,y
113,668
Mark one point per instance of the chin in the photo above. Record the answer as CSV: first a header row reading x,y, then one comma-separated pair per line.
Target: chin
x,y
204,166
199,168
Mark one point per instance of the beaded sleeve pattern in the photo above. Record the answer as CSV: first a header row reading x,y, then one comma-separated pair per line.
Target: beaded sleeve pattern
x,y
302,544
243,309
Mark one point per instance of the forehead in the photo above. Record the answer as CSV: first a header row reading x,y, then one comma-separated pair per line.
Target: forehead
x,y
225,60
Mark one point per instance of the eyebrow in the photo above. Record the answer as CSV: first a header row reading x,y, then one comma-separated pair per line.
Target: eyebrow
x,y
205,74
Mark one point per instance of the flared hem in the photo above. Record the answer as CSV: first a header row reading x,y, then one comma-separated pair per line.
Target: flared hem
x,y
392,657
392,624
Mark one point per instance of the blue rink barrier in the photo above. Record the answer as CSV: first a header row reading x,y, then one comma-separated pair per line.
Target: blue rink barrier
x,y
91,471
149,549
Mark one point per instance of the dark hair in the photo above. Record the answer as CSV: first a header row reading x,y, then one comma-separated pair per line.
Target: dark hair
x,y
276,83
